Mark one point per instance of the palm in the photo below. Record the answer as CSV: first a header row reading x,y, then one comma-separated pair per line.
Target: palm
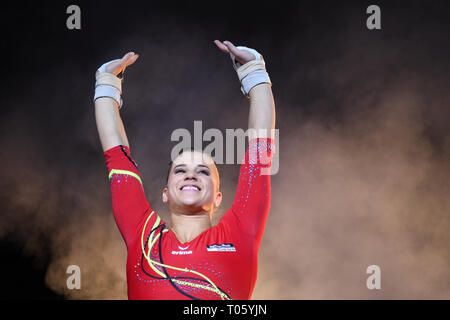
x,y
117,66
242,56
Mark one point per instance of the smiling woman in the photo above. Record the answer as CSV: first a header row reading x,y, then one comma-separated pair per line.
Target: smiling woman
x,y
192,188
192,259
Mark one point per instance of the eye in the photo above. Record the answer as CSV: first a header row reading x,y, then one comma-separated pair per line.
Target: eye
x,y
205,172
179,170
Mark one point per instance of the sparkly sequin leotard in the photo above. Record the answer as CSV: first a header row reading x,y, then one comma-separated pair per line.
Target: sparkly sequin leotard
x,y
220,263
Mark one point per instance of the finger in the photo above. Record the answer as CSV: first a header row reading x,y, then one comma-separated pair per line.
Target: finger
x,y
131,60
221,46
126,57
231,48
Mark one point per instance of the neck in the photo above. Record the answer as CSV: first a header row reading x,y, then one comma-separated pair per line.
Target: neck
x,y
188,226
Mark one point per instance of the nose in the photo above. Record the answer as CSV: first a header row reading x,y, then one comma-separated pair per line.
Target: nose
x,y
190,176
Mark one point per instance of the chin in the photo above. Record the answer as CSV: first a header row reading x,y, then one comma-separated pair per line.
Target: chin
x,y
191,199
193,205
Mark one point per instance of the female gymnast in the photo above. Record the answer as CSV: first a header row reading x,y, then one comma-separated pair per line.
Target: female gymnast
x,y
192,259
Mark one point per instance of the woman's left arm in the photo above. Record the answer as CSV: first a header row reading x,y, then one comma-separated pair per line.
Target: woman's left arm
x,y
251,205
262,110
256,85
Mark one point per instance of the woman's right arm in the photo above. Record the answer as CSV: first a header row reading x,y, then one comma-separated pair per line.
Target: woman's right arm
x,y
129,203
109,123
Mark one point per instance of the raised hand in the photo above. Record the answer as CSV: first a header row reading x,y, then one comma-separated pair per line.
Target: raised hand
x,y
241,56
118,66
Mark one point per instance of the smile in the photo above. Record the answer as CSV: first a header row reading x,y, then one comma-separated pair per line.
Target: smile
x,y
190,187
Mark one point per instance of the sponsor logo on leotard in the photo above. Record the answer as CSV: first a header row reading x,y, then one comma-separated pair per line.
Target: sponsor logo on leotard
x,y
181,251
229,247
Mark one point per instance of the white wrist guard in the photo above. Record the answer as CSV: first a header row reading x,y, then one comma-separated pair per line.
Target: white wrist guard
x,y
251,73
108,85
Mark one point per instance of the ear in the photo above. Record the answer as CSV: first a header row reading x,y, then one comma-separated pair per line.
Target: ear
x,y
218,199
165,198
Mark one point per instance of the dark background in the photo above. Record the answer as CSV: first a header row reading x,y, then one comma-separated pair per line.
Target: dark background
x,y
316,53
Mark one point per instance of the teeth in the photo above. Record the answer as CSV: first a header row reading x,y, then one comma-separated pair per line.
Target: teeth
x,y
190,188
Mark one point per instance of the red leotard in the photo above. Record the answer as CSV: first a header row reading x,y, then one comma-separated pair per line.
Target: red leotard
x,y
220,263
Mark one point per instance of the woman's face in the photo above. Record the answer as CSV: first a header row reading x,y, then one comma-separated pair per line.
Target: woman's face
x,y
193,184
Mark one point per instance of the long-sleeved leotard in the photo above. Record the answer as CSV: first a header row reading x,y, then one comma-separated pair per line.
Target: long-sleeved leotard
x,y
220,263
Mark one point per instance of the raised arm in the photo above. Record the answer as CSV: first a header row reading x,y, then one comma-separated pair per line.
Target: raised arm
x,y
252,201
109,123
129,203
262,106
